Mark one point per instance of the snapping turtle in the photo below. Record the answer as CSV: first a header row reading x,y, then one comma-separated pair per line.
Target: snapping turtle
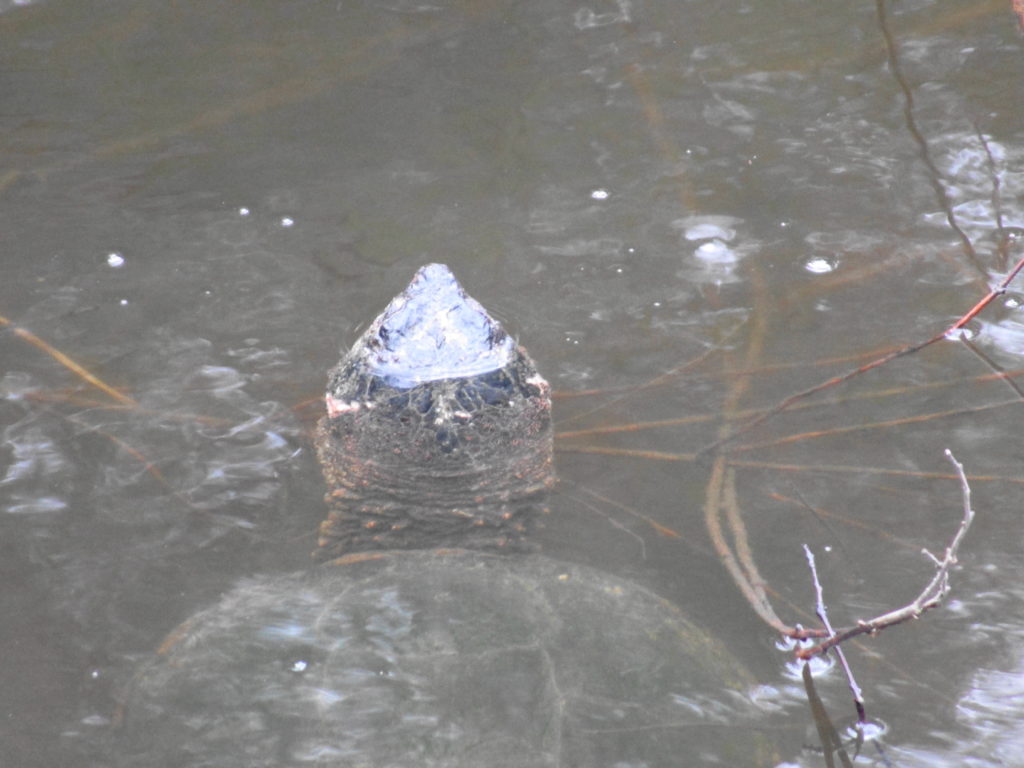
x,y
435,636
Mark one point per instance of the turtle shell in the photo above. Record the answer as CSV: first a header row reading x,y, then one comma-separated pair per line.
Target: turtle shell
x,y
427,658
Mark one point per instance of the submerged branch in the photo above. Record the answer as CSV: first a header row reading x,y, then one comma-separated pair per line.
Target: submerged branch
x,y
67,362
910,349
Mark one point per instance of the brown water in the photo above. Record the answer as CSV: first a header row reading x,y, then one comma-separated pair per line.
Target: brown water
x,y
730,203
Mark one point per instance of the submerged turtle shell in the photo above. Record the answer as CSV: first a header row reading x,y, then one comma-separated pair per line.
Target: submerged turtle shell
x,y
415,656
439,659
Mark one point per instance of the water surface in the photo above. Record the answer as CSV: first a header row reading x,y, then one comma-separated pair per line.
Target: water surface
x,y
687,211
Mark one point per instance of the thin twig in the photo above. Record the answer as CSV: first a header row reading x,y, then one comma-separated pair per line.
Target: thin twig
x,y
822,611
67,362
639,453
657,381
854,469
942,196
993,293
720,498
741,541
996,368
712,520
638,426
900,422
1002,241
933,593
662,530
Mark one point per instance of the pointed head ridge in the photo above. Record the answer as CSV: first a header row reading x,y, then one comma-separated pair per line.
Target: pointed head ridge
x,y
432,331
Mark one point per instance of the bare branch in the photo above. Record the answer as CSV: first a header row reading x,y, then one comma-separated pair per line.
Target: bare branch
x,y
822,611
931,596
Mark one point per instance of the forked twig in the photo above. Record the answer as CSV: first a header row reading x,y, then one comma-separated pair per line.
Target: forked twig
x,y
933,593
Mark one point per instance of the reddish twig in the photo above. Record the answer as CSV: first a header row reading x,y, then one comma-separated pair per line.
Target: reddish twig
x,y
855,469
838,431
67,362
973,312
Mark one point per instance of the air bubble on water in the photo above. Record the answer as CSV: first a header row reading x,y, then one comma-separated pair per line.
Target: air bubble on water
x,y
820,265
123,302
599,194
287,221
243,211
716,251
115,259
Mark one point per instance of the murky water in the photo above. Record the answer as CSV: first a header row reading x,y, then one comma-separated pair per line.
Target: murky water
x,y
687,211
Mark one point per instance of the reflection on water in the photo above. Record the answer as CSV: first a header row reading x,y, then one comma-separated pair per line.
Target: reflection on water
x,y
695,210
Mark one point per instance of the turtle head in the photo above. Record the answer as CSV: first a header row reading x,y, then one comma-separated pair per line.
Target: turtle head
x,y
437,431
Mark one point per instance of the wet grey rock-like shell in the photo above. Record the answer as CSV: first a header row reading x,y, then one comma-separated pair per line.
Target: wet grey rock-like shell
x,y
440,659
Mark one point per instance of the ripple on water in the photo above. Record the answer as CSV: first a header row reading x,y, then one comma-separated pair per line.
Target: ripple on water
x,y
712,248
39,474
